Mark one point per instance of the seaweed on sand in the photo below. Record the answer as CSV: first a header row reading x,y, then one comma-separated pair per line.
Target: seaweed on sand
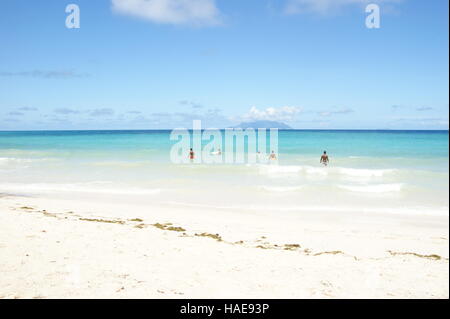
x,y
213,236
432,256
334,252
167,226
103,220
45,213
291,246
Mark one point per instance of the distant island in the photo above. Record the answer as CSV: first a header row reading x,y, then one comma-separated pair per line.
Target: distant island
x,y
264,124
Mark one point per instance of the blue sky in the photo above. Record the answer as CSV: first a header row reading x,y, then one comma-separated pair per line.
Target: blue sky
x,y
144,64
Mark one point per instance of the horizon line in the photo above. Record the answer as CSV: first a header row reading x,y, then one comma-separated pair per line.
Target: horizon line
x,y
179,128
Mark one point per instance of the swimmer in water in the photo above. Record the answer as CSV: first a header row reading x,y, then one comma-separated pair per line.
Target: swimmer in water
x,y
259,157
324,158
272,156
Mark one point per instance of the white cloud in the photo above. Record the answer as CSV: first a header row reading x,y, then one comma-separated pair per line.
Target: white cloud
x,y
192,104
423,120
284,113
334,112
194,12
325,6
101,112
424,108
419,108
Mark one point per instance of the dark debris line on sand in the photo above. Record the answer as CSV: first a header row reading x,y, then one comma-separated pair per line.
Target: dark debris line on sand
x,y
432,256
217,237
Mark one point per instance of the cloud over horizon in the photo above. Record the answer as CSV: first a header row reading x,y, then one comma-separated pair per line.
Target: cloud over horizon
x,y
424,121
64,110
27,109
336,112
422,108
15,113
284,113
101,112
192,104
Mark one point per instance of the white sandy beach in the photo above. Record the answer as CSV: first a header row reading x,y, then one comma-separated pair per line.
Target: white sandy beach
x,y
60,248
213,149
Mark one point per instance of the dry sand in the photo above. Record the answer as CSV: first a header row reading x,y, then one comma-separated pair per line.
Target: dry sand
x,y
59,248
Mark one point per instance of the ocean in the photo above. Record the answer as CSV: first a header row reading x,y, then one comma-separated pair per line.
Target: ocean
x,y
393,172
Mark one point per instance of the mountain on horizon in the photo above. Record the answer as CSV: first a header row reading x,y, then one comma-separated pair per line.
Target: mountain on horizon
x,y
263,124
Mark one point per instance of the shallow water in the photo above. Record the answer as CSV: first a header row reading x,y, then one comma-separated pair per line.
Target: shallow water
x,y
386,171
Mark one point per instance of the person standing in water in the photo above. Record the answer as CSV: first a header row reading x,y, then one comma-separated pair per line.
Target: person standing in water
x,y
324,158
273,156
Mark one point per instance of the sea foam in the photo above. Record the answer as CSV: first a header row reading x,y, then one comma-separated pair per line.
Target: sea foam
x,y
377,188
78,188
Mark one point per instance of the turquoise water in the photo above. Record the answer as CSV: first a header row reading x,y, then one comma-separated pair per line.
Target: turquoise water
x,y
394,171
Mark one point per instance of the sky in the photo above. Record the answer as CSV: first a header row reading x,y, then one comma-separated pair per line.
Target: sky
x,y
157,64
